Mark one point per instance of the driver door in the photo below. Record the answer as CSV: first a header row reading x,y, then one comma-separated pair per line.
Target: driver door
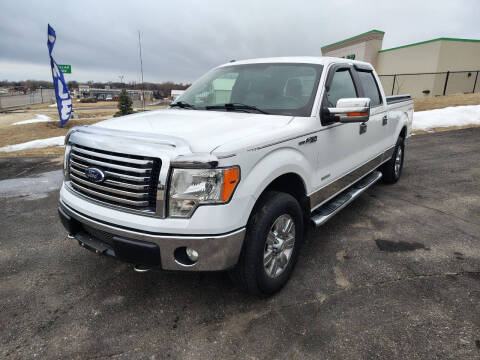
x,y
340,145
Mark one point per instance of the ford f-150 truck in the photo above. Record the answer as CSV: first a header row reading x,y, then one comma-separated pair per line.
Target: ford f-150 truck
x,y
230,176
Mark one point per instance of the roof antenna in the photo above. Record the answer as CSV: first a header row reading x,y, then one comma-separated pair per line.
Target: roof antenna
x,y
141,69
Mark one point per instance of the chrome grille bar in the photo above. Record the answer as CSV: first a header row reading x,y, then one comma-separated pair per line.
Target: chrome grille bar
x,y
130,181
109,197
108,189
113,182
109,165
113,174
113,157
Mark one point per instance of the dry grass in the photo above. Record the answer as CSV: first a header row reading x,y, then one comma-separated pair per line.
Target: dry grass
x,y
10,135
22,133
54,151
439,102
98,104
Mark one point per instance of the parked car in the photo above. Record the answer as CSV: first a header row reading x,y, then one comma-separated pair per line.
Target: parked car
x,y
229,176
109,97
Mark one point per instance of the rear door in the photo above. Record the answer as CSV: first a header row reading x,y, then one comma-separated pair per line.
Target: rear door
x,y
376,132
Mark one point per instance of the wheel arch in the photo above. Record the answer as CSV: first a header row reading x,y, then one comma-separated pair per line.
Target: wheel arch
x,y
290,183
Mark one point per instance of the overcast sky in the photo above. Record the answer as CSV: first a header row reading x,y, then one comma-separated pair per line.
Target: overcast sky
x,y
183,39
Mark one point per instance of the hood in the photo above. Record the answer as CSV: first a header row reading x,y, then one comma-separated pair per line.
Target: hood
x,y
203,130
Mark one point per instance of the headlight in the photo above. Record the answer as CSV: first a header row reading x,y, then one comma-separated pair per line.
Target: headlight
x,y
66,163
190,188
66,157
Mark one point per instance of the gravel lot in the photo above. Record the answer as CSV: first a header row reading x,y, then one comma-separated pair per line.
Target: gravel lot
x,y
395,275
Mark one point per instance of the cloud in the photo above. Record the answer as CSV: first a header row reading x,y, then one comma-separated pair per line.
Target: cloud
x,y
181,40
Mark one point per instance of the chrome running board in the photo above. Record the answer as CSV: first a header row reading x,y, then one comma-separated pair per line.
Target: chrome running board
x,y
325,212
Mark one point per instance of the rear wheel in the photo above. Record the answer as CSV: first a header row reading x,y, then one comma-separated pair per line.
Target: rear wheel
x,y
274,236
392,169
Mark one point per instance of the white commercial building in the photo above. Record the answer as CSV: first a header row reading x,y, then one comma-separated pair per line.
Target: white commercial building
x,y
433,67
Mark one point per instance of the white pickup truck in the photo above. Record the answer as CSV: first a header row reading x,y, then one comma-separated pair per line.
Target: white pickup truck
x,y
230,176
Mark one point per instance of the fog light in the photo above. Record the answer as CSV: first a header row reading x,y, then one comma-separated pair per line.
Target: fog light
x,y
192,254
185,256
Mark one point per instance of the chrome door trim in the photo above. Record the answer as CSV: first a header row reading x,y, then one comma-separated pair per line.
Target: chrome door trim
x,y
321,196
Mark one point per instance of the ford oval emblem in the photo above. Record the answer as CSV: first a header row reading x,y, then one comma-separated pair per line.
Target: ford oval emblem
x,y
94,175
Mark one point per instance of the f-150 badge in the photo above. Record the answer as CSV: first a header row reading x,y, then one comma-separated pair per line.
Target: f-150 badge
x,y
308,140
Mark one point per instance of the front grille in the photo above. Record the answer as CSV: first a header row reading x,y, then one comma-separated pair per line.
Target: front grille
x,y
130,180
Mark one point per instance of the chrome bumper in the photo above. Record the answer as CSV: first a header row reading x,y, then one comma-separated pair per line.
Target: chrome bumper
x,y
216,252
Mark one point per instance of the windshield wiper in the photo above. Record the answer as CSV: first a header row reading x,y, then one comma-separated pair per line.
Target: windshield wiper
x,y
183,105
236,106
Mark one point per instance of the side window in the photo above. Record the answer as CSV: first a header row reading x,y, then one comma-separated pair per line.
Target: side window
x,y
370,87
342,87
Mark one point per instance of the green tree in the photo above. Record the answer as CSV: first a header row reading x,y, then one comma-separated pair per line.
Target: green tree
x,y
124,104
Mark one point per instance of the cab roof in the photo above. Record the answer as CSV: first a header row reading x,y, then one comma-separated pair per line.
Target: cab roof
x,y
321,60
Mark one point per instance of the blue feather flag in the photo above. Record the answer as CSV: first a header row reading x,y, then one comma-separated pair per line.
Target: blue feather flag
x,y
64,101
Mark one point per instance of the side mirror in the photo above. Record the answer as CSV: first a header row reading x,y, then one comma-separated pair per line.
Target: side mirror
x,y
351,110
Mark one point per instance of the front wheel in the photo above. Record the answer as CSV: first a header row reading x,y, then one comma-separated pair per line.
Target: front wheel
x,y
274,236
392,169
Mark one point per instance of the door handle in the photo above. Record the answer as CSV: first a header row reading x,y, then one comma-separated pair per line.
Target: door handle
x,y
384,120
363,128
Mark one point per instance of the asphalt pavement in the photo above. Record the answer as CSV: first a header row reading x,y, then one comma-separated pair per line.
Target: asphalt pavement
x,y
395,275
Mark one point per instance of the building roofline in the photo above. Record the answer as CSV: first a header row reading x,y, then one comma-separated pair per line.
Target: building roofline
x,y
354,37
429,41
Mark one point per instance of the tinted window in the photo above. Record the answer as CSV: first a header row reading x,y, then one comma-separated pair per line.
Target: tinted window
x,y
370,88
342,87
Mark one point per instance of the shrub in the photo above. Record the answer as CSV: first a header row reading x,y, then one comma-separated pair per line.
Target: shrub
x,y
124,104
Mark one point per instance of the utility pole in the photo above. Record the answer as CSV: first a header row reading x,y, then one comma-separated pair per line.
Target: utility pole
x,y
141,69
121,79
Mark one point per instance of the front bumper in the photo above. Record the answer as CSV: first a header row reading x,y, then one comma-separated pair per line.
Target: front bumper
x,y
154,250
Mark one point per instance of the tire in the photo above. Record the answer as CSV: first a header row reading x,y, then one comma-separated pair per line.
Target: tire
x,y
253,272
392,169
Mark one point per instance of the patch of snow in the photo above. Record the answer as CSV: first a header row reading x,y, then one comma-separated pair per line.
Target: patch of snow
x,y
446,117
39,118
32,188
53,105
35,144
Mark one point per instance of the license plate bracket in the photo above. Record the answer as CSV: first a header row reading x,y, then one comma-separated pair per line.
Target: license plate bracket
x,y
86,241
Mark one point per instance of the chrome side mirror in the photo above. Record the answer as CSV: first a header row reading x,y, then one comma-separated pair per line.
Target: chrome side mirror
x,y
351,110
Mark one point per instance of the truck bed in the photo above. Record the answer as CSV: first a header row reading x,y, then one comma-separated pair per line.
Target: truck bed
x,y
397,98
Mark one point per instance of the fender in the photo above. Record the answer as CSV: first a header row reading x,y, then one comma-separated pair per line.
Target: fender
x,y
402,123
273,164
404,120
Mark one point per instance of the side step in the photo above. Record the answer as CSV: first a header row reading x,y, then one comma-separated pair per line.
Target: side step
x,y
324,213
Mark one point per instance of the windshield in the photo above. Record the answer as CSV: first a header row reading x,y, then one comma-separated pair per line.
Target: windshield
x,y
282,89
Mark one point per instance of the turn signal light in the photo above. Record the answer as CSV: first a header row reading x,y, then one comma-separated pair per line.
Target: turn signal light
x,y
230,180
